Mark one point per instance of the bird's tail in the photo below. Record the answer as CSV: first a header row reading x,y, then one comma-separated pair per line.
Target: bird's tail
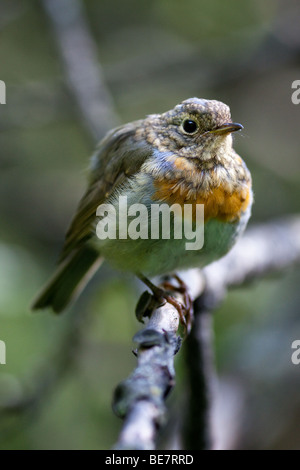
x,y
69,280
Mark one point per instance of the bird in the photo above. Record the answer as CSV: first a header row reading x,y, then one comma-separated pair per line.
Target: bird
x,y
183,157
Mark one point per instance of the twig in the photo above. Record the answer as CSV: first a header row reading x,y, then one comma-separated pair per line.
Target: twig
x,y
141,397
264,249
199,381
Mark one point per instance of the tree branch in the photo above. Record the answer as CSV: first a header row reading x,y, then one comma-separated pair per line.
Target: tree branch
x,y
264,249
141,397
81,65
199,381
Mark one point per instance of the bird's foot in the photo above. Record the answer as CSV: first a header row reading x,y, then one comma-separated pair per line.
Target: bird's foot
x,y
164,294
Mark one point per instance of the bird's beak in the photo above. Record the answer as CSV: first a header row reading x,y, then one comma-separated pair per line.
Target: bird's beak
x,y
227,128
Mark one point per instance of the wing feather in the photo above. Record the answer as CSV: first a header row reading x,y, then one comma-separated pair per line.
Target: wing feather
x,y
118,157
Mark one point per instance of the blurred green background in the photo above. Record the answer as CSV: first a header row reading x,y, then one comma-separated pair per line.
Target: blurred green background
x,y
152,55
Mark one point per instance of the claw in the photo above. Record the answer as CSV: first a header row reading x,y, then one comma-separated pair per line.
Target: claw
x,y
185,309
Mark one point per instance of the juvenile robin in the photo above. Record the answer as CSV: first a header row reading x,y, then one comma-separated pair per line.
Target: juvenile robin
x,y
182,157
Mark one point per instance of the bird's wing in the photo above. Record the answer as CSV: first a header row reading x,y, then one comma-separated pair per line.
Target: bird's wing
x,y
118,157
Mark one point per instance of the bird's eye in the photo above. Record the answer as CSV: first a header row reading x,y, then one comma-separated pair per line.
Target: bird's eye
x,y
189,126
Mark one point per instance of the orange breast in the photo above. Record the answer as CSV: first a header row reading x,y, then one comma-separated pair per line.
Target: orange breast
x,y
218,203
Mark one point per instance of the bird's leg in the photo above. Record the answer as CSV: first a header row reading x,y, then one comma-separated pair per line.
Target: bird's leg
x,y
185,310
187,305
159,294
